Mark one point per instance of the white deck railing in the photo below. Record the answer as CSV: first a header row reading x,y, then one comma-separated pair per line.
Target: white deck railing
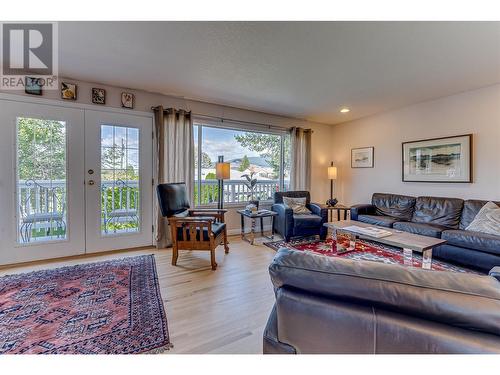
x,y
235,191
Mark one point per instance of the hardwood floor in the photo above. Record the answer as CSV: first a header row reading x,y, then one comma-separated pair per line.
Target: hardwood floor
x,y
222,311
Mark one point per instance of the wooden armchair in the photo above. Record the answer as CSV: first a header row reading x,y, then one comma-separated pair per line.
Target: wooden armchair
x,y
191,229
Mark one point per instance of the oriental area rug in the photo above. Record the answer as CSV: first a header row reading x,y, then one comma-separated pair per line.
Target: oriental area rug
x,y
111,307
364,250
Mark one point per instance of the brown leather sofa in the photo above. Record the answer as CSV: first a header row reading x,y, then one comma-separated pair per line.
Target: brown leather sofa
x,y
335,305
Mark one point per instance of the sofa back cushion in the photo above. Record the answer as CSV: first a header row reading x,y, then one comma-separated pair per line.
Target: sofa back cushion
x,y
442,211
278,196
471,208
393,205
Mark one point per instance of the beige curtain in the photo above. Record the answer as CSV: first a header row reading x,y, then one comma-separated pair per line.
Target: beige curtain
x,y
300,174
174,159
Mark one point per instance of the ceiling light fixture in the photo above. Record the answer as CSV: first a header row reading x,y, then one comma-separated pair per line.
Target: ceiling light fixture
x,y
345,110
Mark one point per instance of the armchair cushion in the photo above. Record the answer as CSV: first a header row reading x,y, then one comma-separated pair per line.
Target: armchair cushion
x,y
217,228
307,221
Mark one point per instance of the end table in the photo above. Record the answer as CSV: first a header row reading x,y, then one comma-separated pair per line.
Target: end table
x,y
253,216
338,207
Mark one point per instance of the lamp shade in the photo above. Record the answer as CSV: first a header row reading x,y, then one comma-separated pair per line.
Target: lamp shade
x,y
332,173
222,171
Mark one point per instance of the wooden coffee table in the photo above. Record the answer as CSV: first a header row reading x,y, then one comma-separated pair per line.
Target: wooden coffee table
x,y
409,242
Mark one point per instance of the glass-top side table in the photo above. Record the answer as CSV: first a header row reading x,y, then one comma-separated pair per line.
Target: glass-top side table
x,y
254,216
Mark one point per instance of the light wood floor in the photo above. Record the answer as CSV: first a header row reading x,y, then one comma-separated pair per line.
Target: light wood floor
x,y
222,311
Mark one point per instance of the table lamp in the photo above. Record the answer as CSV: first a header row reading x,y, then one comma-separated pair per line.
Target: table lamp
x,y
222,172
332,175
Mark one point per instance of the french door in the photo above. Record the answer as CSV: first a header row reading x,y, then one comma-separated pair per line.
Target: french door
x,y
72,181
119,181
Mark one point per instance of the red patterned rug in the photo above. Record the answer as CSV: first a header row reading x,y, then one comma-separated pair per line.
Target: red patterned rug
x,y
112,307
365,250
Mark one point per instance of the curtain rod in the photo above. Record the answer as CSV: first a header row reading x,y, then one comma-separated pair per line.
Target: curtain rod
x,y
222,119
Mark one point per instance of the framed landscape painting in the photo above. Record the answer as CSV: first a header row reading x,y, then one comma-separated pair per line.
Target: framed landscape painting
x,y
446,159
362,157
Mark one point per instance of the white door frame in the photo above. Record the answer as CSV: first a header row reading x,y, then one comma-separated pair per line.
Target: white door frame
x,y
11,251
56,251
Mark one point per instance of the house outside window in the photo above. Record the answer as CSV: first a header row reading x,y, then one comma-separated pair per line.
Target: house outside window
x,y
262,154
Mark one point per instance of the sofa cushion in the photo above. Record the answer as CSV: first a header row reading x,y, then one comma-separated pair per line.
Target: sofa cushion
x,y
393,205
384,221
298,205
471,208
487,220
278,196
306,221
488,243
442,211
430,230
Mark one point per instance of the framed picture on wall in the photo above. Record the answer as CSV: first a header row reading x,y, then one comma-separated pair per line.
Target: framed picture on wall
x,y
98,96
362,157
447,159
32,86
68,91
127,100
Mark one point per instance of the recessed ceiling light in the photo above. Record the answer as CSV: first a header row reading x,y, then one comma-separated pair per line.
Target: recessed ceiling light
x,y
345,110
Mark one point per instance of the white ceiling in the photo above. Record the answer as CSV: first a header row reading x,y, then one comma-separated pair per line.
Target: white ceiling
x,y
299,69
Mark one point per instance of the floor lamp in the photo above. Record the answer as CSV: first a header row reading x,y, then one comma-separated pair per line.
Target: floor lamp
x,y
332,175
222,172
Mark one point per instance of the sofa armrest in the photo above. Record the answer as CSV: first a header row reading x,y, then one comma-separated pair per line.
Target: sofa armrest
x,y
362,209
283,222
317,209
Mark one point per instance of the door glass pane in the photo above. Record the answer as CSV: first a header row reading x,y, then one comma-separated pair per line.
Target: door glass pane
x,y
119,180
41,180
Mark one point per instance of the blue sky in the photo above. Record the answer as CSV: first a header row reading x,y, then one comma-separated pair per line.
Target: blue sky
x,y
217,142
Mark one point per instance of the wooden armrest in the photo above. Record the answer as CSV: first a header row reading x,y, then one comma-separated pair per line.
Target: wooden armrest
x,y
192,218
218,210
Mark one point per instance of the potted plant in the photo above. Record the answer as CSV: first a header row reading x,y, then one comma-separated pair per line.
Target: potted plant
x,y
251,184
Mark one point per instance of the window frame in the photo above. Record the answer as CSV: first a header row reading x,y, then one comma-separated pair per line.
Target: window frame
x,y
200,123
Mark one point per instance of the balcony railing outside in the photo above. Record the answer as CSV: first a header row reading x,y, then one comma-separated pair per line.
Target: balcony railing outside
x,y
119,204
235,191
42,204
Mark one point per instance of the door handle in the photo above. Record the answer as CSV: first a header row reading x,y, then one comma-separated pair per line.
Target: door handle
x,y
91,182
91,171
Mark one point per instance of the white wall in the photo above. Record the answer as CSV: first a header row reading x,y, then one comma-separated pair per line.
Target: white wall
x,y
476,112
145,100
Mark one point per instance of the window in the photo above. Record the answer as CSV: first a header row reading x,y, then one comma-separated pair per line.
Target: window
x,y
263,156
119,179
41,180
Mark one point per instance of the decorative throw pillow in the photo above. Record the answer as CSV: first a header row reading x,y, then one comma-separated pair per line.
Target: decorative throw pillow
x,y
298,205
487,220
